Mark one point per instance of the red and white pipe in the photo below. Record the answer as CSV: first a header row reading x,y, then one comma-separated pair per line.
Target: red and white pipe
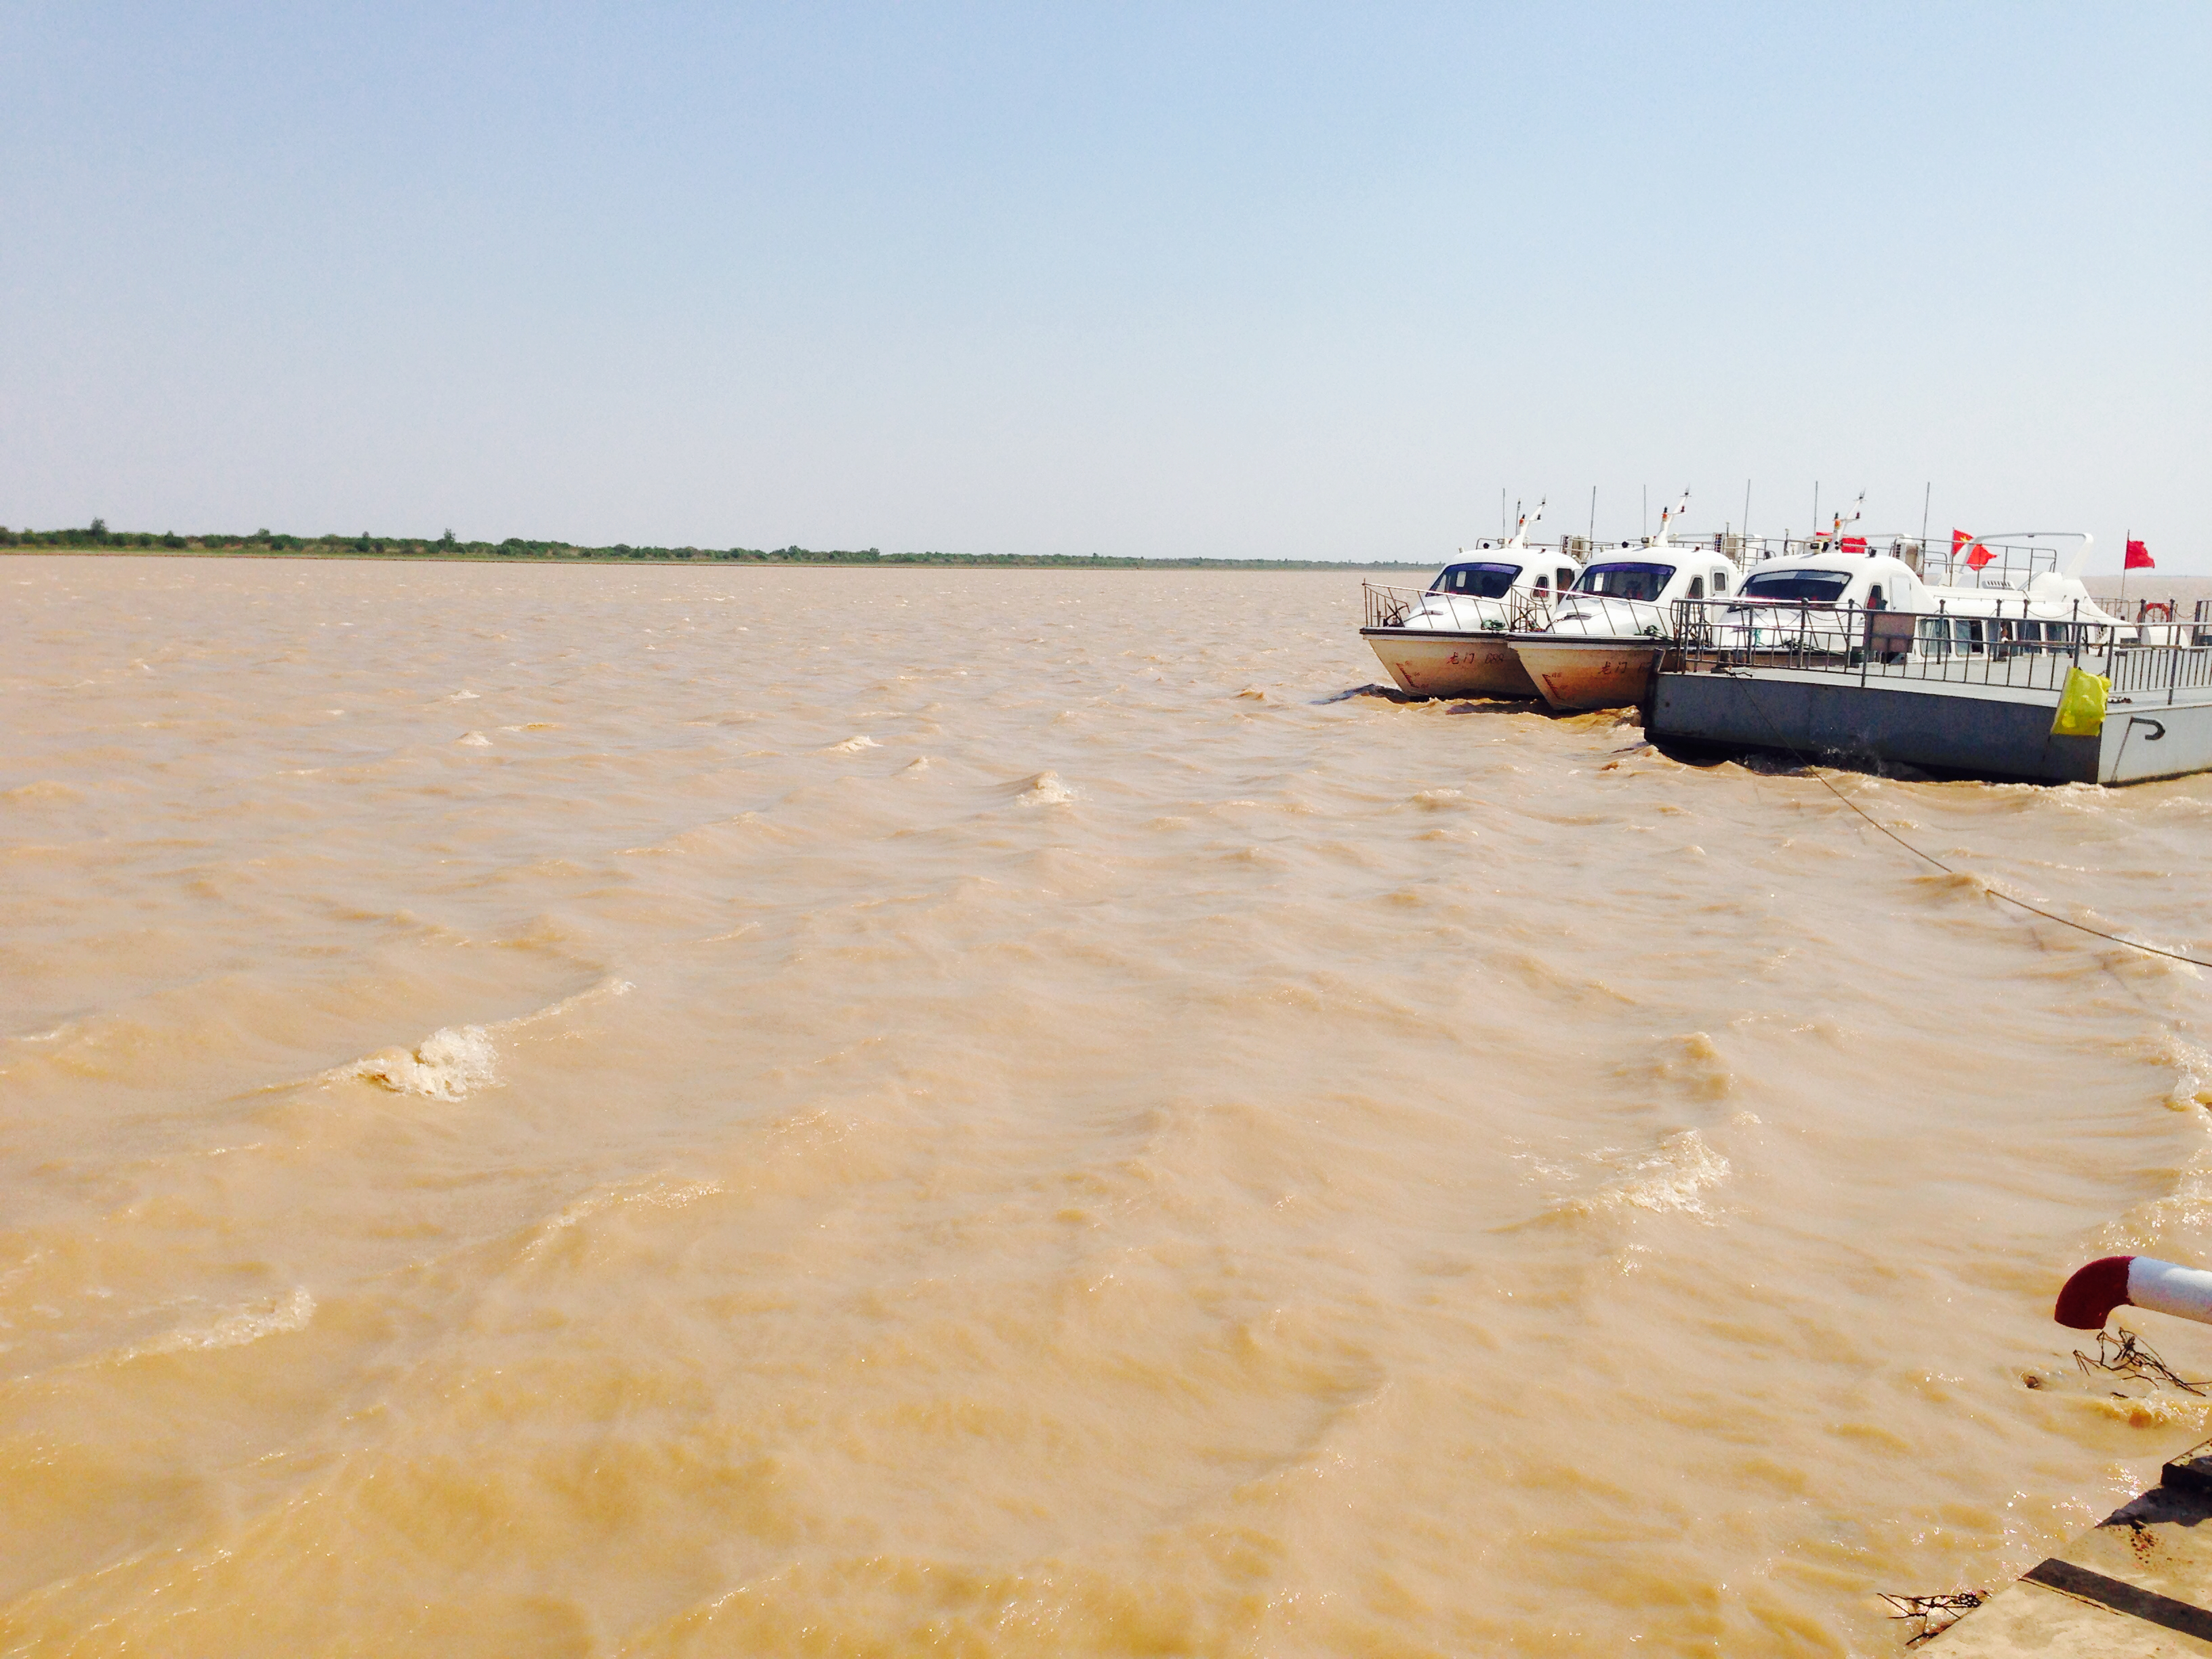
x,y
2133,1281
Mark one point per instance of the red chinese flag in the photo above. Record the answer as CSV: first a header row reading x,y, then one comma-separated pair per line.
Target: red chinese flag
x,y
2139,557
1854,543
1976,555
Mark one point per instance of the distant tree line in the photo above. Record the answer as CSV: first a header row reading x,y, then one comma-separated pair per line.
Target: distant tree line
x,y
98,536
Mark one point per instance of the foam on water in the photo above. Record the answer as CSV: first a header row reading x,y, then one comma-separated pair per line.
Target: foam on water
x,y
236,1329
1045,789
2190,1413
1674,1177
446,1065
2192,1065
455,1061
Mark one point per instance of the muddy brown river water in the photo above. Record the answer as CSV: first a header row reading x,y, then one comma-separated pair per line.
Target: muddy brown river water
x,y
688,1110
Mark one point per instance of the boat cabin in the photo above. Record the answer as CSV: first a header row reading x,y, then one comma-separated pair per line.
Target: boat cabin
x,y
1656,574
1494,585
1869,581
1534,568
2050,612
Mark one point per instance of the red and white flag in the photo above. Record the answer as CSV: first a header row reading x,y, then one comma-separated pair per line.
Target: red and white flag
x,y
2138,558
1976,555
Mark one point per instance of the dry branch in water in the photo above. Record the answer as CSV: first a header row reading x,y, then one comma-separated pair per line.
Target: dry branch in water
x,y
1936,1613
2126,1354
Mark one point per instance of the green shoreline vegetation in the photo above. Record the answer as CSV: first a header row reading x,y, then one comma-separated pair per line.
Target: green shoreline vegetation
x,y
97,538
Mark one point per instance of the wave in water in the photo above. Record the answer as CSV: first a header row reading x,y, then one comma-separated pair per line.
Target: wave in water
x,y
455,1060
659,1193
1045,789
608,987
236,1329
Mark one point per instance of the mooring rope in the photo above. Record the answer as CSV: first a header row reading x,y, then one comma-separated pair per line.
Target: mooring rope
x,y
2063,921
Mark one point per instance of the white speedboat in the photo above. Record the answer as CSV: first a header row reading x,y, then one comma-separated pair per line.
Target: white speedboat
x,y
1602,641
1449,639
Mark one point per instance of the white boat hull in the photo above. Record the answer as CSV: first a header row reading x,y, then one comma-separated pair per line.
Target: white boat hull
x,y
1572,673
1434,663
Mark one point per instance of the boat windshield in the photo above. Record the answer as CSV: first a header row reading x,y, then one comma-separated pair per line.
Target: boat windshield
x,y
1625,581
1820,586
1483,581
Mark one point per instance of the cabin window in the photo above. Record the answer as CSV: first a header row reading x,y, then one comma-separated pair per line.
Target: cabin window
x,y
1543,584
1813,587
1566,581
2043,635
1626,581
1952,636
1720,581
1873,596
1481,581
1696,587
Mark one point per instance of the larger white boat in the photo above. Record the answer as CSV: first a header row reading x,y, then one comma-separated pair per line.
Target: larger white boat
x,y
1450,639
1851,599
2006,670
1601,641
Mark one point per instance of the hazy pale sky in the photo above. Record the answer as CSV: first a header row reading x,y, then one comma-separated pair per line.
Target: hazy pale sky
x,y
1153,280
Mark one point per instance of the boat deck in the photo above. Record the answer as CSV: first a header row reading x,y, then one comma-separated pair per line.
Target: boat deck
x,y
1944,720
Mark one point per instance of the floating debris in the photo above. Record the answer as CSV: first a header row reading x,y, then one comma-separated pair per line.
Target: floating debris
x,y
1936,1613
2125,1354
1389,693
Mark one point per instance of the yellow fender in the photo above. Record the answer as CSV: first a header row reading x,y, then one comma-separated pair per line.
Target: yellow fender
x,y
2080,705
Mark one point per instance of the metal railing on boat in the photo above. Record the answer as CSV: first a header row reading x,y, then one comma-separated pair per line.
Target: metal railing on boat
x,y
1385,606
1956,646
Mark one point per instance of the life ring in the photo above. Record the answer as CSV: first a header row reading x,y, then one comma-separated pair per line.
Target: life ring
x,y
2155,610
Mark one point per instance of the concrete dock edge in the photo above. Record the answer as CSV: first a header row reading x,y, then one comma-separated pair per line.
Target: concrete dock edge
x,y
2137,1584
